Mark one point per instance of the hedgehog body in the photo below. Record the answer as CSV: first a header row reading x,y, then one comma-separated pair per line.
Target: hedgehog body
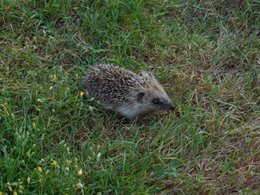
x,y
123,91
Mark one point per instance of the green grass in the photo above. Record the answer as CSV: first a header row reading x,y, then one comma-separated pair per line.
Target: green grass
x,y
205,53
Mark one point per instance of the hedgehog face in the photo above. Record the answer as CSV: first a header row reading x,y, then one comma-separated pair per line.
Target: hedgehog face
x,y
153,101
154,97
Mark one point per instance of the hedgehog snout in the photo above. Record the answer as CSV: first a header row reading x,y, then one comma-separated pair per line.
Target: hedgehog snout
x,y
169,106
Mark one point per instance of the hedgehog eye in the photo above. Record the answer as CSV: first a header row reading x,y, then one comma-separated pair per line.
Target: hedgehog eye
x,y
156,101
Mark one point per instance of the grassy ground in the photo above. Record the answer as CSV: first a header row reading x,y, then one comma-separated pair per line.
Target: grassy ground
x,y
205,53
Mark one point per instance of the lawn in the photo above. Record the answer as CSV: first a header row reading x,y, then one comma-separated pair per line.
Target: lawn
x,y
53,140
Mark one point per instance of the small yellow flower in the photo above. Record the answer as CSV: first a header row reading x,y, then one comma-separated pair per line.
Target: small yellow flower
x,y
1,193
67,168
79,185
34,125
77,75
39,169
80,173
54,77
40,180
28,153
47,171
15,193
54,163
81,93
28,179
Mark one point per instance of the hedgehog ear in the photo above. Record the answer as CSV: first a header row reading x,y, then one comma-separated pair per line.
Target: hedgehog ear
x,y
140,96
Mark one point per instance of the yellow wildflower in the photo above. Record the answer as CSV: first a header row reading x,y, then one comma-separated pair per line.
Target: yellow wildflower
x,y
39,169
77,75
33,124
54,163
54,77
1,193
81,93
40,180
79,185
28,179
80,173
15,193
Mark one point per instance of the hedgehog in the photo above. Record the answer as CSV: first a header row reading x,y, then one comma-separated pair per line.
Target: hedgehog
x,y
123,91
